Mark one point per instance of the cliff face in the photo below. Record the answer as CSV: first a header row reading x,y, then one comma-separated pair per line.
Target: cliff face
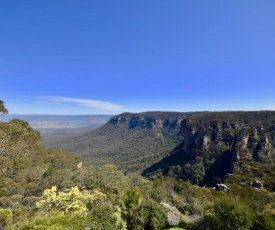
x,y
150,120
217,143
249,139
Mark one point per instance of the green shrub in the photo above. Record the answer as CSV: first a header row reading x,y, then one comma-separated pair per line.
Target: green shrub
x,y
148,215
105,216
53,221
232,214
263,222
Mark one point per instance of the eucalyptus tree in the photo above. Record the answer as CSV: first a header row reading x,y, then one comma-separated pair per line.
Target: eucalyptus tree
x,y
3,109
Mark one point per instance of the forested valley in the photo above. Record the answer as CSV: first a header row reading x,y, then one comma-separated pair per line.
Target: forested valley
x,y
215,171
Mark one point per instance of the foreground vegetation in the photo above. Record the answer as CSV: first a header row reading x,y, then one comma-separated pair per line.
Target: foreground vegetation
x,y
49,189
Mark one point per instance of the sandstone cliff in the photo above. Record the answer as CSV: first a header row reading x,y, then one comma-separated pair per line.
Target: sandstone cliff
x,y
217,143
151,120
245,136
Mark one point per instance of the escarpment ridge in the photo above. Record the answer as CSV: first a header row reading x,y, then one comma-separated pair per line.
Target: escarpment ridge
x,y
217,143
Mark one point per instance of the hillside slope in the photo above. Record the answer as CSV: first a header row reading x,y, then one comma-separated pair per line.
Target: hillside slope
x,y
130,141
27,168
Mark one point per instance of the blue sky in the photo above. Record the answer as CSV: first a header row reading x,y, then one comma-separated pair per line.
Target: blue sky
x,y
108,57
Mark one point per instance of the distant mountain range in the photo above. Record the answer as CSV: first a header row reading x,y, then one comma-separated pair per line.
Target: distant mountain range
x,y
65,120
54,128
53,123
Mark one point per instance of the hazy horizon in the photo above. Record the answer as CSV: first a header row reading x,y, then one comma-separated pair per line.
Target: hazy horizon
x,y
37,114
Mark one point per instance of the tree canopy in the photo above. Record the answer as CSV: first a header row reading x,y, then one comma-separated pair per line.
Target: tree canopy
x,y
3,109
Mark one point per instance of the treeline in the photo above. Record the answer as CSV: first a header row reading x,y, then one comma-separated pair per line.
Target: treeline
x,y
255,118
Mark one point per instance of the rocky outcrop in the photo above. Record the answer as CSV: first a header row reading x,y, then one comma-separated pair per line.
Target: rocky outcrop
x,y
173,214
221,187
257,184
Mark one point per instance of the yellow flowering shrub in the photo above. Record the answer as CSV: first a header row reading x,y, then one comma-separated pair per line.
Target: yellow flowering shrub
x,y
72,200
